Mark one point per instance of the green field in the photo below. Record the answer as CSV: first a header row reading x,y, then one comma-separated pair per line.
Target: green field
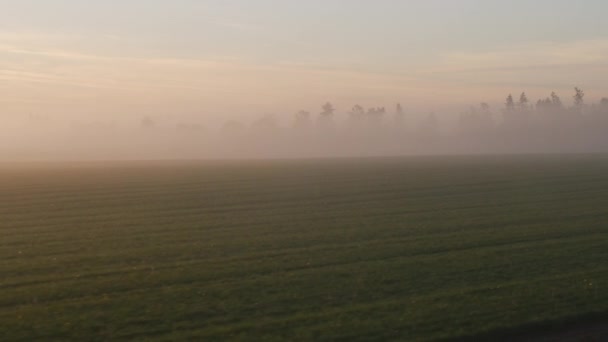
x,y
371,249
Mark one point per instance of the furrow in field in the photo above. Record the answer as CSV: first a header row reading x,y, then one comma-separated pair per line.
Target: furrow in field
x,y
229,280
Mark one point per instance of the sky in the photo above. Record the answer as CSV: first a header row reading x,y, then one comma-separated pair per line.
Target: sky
x,y
205,60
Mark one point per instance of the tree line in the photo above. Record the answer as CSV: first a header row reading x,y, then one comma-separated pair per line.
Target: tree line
x,y
519,125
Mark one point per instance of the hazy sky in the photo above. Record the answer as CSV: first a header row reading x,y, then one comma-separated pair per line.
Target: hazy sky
x,y
201,59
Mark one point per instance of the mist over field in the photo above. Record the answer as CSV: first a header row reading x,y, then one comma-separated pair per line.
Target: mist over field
x,y
249,79
288,170
518,126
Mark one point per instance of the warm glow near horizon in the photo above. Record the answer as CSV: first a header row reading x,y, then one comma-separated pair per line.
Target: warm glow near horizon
x,y
215,60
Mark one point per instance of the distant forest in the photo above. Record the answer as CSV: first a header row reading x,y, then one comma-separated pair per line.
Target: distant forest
x,y
519,125
548,113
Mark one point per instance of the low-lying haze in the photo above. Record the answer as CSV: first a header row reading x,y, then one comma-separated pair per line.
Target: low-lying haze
x,y
223,79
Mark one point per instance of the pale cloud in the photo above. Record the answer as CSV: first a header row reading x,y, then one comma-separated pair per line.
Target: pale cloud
x,y
40,68
537,55
75,67
537,68
35,37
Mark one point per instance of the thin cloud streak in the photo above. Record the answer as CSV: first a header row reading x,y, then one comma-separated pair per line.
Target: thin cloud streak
x,y
459,76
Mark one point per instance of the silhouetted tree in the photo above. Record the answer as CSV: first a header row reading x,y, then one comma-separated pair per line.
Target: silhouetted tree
x,y
544,105
523,102
303,120
556,101
579,99
328,110
357,113
476,120
510,104
399,116
375,115
326,116
509,111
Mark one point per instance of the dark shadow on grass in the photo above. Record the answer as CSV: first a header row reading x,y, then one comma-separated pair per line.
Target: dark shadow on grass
x,y
588,327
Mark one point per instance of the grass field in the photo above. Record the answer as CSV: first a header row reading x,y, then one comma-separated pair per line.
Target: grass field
x,y
405,249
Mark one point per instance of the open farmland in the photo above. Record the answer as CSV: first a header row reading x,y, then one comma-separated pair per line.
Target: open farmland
x,y
395,248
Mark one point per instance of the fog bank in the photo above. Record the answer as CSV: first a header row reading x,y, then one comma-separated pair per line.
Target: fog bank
x,y
548,126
